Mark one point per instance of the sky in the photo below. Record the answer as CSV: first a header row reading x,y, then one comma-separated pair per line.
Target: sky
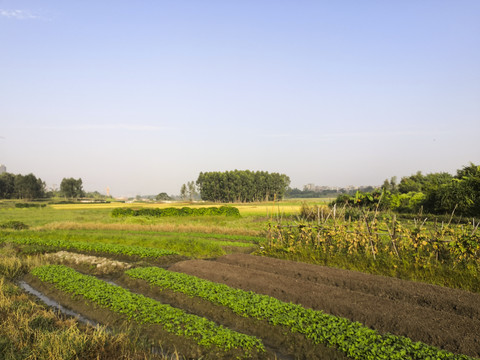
x,y
142,96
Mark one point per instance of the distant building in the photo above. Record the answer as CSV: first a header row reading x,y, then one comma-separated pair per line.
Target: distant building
x,y
3,169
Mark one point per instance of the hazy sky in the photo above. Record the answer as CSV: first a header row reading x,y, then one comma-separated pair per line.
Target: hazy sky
x,y
141,96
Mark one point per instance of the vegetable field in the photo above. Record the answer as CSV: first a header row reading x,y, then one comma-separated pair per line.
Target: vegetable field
x,y
198,294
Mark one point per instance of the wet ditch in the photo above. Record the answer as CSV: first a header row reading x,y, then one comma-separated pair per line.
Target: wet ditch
x,y
280,343
51,301
59,309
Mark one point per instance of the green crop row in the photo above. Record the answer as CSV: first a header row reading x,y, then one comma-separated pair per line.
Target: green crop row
x,y
185,211
146,310
94,247
352,338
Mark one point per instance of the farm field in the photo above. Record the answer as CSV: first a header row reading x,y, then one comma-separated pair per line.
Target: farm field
x,y
422,312
134,276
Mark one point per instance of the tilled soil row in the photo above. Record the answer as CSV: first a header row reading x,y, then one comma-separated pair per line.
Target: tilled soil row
x,y
446,318
434,297
281,343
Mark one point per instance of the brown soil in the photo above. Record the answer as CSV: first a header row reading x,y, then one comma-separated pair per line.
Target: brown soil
x,y
443,317
279,341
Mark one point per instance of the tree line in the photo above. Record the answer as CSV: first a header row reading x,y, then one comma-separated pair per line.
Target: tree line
x,y
435,193
28,187
296,193
242,186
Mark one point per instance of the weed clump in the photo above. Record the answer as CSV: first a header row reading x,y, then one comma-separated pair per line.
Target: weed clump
x,y
14,225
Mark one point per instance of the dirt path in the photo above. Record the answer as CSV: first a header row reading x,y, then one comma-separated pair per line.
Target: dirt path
x,y
443,317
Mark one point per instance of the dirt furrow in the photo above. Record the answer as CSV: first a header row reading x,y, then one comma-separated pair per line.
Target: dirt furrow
x,y
289,281
426,295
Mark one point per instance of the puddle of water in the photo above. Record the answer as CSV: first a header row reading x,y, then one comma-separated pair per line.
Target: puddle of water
x,y
52,303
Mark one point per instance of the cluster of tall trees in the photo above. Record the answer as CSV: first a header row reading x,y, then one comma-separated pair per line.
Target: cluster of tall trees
x,y
436,193
188,190
242,186
17,186
21,186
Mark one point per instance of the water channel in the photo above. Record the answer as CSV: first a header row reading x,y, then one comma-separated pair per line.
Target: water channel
x,y
55,305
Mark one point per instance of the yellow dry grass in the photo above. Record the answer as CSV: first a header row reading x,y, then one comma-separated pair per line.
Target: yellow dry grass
x,y
31,331
98,265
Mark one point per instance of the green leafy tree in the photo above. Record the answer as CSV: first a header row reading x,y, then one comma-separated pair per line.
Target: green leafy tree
x,y
461,194
413,183
28,187
7,185
71,188
183,192
162,196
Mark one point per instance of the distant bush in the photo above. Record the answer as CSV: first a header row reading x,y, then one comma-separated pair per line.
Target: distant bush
x,y
29,205
14,225
185,211
63,202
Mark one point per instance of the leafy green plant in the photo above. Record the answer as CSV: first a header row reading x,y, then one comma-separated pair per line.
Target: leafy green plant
x,y
146,310
352,338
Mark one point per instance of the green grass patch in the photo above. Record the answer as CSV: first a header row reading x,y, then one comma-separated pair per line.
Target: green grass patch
x,y
198,245
129,250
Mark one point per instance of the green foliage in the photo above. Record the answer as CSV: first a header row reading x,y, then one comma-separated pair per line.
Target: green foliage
x,y
93,247
361,199
185,211
7,186
437,193
21,186
146,310
72,188
29,205
14,225
411,202
461,194
242,186
352,338
163,196
29,187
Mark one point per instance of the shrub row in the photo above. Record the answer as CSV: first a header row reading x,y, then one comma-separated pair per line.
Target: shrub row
x,y
14,225
352,338
94,247
185,211
146,310
29,205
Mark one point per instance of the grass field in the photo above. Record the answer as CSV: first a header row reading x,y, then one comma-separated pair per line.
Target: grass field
x,y
92,230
